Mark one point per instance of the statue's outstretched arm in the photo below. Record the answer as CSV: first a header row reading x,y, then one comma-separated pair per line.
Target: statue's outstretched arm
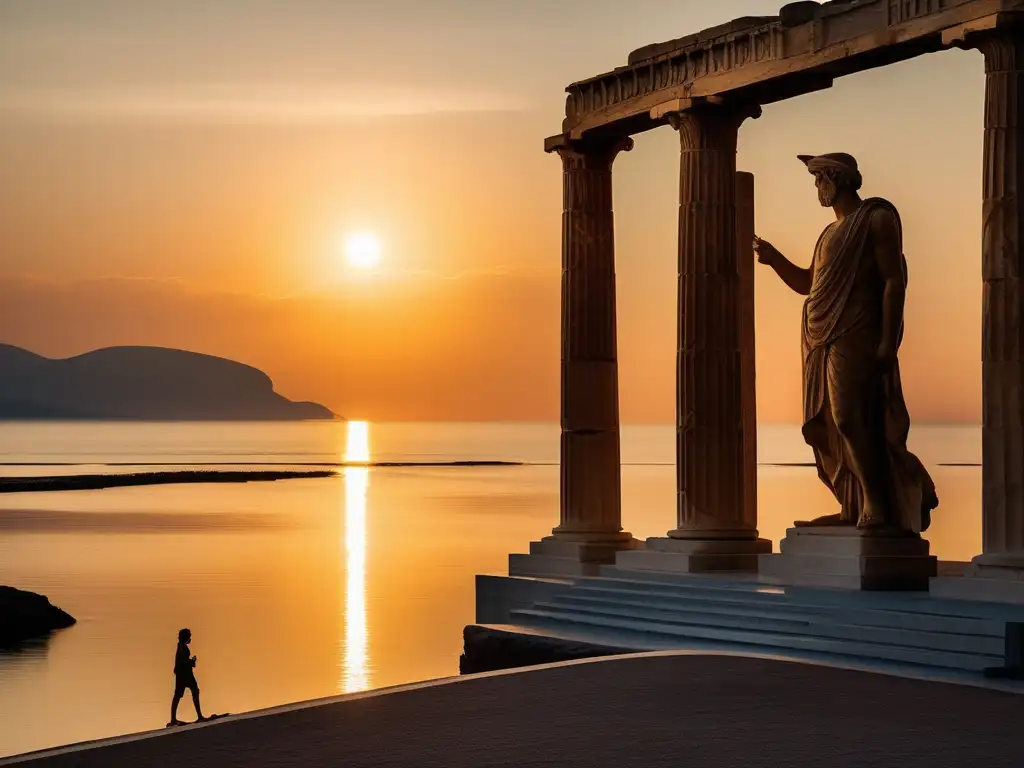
x,y
797,278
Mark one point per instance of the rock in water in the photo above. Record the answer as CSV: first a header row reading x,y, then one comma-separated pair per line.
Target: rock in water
x,y
26,615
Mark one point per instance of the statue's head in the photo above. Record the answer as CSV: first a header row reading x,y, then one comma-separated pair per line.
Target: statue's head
x,y
835,175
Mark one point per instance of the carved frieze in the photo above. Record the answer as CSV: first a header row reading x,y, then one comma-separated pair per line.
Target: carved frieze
x,y
905,10
763,43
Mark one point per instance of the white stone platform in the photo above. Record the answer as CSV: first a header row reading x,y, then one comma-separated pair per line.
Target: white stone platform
x,y
844,557
650,610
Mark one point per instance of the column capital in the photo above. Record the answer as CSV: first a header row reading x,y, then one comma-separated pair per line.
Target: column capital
x,y
1001,42
1003,49
711,124
588,152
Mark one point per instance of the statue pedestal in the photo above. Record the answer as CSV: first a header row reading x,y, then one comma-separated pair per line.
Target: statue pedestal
x,y
844,557
555,556
695,555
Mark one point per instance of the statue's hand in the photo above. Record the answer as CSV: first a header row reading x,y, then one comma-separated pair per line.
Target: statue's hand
x,y
885,355
766,252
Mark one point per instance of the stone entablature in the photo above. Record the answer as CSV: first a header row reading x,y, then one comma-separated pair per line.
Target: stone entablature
x,y
763,59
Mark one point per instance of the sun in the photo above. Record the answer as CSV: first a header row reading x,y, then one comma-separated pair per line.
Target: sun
x,y
362,250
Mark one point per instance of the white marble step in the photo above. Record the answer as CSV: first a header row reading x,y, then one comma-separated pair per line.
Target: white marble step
x,y
768,606
912,602
759,640
682,605
675,615
810,625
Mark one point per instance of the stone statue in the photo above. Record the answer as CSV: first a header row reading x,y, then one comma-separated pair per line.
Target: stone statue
x,y
855,418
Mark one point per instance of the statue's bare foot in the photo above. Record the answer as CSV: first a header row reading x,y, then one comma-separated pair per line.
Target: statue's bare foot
x,y
836,519
869,518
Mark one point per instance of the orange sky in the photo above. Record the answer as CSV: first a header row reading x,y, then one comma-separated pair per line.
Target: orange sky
x,y
184,173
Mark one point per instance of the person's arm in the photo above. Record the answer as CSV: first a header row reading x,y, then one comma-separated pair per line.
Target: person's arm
x,y
885,235
797,278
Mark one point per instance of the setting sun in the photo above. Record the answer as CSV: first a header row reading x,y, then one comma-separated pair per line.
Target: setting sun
x,y
362,250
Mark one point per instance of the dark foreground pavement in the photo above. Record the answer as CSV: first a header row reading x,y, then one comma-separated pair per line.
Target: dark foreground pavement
x,y
694,711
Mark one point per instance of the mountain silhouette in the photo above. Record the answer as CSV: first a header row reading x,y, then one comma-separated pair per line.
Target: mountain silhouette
x,y
141,383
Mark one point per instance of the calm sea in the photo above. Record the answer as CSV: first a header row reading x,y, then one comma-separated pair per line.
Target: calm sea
x,y
309,588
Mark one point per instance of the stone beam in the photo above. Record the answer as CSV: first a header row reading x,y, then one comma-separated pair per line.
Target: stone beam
x,y
764,59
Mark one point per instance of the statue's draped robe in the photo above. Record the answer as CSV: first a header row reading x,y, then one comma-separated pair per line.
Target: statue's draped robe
x,y
843,383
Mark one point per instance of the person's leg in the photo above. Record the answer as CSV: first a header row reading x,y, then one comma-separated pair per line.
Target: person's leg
x,y
179,691
195,700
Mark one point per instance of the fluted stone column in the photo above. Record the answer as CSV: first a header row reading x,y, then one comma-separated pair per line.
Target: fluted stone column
x,y
711,487
716,526
999,571
589,532
748,391
590,478
1002,304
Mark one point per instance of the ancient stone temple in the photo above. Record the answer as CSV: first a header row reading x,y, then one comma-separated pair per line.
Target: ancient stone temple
x,y
705,86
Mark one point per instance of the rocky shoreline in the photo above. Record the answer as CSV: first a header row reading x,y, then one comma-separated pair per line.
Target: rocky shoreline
x,y
27,616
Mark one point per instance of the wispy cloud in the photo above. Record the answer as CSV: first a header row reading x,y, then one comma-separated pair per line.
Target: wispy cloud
x,y
224,103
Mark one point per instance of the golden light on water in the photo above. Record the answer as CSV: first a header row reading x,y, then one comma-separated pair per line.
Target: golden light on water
x,y
355,663
357,442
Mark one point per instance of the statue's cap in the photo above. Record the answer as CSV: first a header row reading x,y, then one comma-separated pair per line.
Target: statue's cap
x,y
839,160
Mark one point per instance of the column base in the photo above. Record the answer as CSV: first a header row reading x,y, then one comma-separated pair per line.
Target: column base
x,y
847,558
563,556
989,578
695,555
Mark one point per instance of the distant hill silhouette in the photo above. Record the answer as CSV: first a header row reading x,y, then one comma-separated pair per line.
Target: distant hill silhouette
x,y
141,383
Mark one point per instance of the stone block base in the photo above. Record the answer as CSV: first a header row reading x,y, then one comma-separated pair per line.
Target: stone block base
x,y
555,556
843,557
991,578
695,555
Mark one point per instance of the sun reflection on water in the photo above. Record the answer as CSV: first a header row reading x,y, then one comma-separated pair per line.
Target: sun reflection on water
x,y
355,663
357,442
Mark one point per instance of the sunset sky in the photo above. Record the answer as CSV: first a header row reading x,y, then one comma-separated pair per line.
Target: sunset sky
x,y
186,173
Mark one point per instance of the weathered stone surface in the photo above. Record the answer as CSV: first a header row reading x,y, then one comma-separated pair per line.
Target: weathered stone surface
x,y
745,24
768,58
26,615
1002,298
855,419
748,385
711,459
716,443
590,475
590,515
702,84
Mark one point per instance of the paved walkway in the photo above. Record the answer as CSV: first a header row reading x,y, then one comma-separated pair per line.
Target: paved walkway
x,y
694,711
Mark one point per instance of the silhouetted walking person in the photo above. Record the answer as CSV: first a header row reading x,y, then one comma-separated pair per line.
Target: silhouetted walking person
x,y
184,677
